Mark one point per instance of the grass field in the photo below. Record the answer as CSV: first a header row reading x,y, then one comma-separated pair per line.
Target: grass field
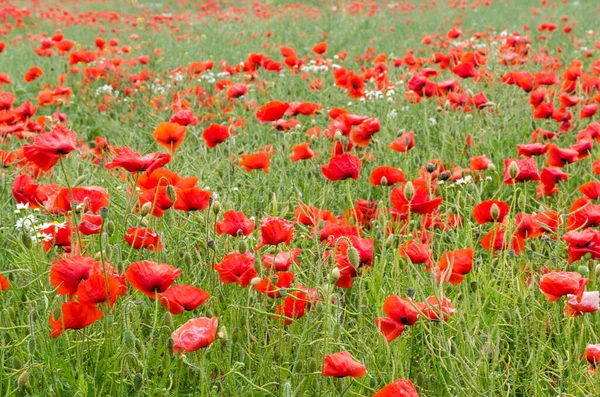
x,y
218,198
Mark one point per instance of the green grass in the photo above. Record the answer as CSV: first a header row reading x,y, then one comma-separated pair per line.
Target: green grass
x,y
505,339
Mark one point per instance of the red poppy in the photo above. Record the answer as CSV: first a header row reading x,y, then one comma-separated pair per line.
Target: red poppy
x,y
271,286
556,284
453,266
282,261
194,334
417,253
158,198
183,297
75,315
91,198
392,176
495,240
132,161
4,283
592,354
420,203
47,148
398,388
435,308
404,142
401,310
301,151
296,304
215,134
93,290
341,365
342,167
141,237
310,216
56,234
33,73
235,223
184,118
236,268
256,161
490,211
236,90
361,135
558,157
192,199
391,329
532,149
68,272
320,48
90,224
589,304
583,213
581,243
274,231
526,170
590,190
151,278
272,111
169,135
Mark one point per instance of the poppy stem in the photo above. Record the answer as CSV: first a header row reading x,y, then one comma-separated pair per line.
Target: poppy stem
x,y
73,209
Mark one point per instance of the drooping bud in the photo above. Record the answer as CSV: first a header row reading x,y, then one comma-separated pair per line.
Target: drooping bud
x,y
492,167
171,193
129,339
353,256
409,191
110,228
138,382
23,379
26,240
168,320
145,210
513,170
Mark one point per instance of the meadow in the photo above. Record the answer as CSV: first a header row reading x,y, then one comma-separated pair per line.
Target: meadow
x,y
277,198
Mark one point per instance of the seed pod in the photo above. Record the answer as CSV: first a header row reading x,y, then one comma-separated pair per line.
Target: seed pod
x,y
26,240
242,247
211,244
168,320
409,191
430,167
474,286
353,256
110,228
22,379
171,193
138,382
104,214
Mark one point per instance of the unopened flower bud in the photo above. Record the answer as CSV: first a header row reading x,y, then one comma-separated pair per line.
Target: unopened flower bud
x,y
22,379
145,210
242,247
168,320
492,167
338,135
420,379
211,244
216,207
409,191
138,382
384,181
80,179
583,270
222,334
171,193
26,240
110,228
522,201
335,275
597,270
187,259
353,256
495,212
513,170
255,281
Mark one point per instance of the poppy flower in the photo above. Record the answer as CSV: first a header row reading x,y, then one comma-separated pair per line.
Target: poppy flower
x,y
194,334
235,223
391,329
532,149
401,310
392,176
583,213
341,364
495,240
91,198
158,198
75,315
4,283
183,297
272,111
192,199
150,277
398,388
296,304
256,161
417,253
282,261
453,266
420,203
271,286
490,211
310,216
524,170
47,148
93,290
56,234
361,135
274,231
342,167
141,237
301,151
184,118
90,224
132,161
556,284
320,48
465,70
558,157
169,135
592,354
404,142
215,134
436,309
590,190
236,268
589,304
66,273
236,90
33,73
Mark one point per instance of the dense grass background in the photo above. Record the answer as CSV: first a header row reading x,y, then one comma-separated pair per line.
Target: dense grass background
x,y
504,339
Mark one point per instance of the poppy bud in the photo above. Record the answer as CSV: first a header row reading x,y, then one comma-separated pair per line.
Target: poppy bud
x,y
31,345
235,335
384,181
171,193
129,339
312,365
81,168
597,270
255,281
211,244
168,320
145,210
492,167
587,256
222,334
409,191
187,259
26,240
138,382
335,275
110,228
522,201
495,212
474,286
216,207
283,292
583,270
420,379
170,343
389,240
513,170
338,135
410,292
79,180
353,256
15,362
430,167
22,379
242,247
298,366
98,256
